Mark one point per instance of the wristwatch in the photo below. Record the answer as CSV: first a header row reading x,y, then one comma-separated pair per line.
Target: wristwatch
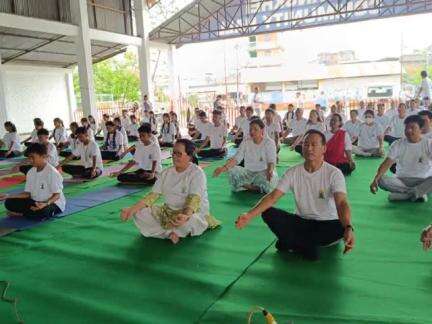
x,y
349,226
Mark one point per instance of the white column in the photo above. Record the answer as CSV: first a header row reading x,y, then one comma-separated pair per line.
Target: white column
x,y
84,56
71,96
174,90
3,110
142,19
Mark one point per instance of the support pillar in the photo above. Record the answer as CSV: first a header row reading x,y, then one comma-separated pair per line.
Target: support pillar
x,y
142,20
3,110
174,91
84,56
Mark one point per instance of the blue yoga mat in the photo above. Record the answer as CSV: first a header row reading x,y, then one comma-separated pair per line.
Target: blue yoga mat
x,y
74,205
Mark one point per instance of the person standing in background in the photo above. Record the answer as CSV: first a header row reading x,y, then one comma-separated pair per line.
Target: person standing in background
x,y
256,102
424,91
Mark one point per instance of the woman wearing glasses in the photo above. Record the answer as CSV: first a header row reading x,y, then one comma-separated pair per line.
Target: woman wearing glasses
x,y
186,207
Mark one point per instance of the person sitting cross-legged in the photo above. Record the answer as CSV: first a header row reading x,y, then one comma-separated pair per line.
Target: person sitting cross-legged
x,y
370,137
413,158
90,157
147,156
259,155
113,147
186,210
322,216
216,137
43,192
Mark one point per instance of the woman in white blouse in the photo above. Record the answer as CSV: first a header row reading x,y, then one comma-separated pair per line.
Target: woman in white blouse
x,y
184,190
315,123
10,141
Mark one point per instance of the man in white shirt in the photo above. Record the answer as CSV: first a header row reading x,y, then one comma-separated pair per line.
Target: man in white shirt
x,y
147,105
216,138
238,121
413,158
352,126
256,102
272,127
361,110
396,126
148,158
289,116
381,118
426,115
424,91
90,158
243,132
297,128
259,156
414,107
322,216
102,128
43,193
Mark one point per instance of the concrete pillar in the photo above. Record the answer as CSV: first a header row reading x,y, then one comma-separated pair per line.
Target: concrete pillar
x,y
142,20
84,56
3,110
71,97
174,91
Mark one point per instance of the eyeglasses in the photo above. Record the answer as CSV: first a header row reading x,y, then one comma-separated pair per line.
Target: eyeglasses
x,y
177,153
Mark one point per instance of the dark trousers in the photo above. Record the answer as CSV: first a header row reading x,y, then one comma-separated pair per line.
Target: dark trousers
x,y
78,171
346,168
110,155
165,144
136,177
301,235
132,138
99,138
216,153
11,155
299,149
390,139
25,168
65,153
22,206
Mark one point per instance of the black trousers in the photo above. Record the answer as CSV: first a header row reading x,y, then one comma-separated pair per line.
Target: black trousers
x,y
22,206
165,144
78,171
390,139
346,168
136,177
110,155
11,155
216,153
132,138
25,168
99,138
301,235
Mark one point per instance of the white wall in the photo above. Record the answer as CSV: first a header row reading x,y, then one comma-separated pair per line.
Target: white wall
x,y
42,92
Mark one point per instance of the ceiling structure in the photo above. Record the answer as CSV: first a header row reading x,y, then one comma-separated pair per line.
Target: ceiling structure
x,y
207,20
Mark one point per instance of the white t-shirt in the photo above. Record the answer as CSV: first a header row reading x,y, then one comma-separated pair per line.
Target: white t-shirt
x,y
391,113
314,192
272,129
426,85
133,130
125,136
53,158
244,127
146,154
72,142
42,185
298,127
203,128
86,154
113,142
397,127
361,112
60,135
239,120
257,156
125,122
318,127
217,136
368,135
168,132
14,138
34,137
352,128
288,118
411,112
382,120
412,159
348,144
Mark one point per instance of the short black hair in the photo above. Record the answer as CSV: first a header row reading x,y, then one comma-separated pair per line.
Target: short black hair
x,y
37,148
354,111
249,108
43,131
272,106
81,130
423,74
414,119
217,112
38,122
427,113
339,117
258,122
11,126
314,131
202,114
369,112
270,111
117,119
145,128
109,123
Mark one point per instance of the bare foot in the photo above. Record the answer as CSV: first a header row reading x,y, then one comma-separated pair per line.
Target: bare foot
x,y
174,238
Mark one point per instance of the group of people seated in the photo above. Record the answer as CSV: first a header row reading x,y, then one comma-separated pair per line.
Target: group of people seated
x,y
327,144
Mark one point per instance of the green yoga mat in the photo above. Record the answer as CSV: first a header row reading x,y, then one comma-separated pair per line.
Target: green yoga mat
x,y
386,279
91,268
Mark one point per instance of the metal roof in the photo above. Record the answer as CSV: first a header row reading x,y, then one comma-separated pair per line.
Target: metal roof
x,y
21,46
206,20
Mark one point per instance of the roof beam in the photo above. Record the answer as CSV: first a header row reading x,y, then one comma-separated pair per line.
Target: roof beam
x,y
105,36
